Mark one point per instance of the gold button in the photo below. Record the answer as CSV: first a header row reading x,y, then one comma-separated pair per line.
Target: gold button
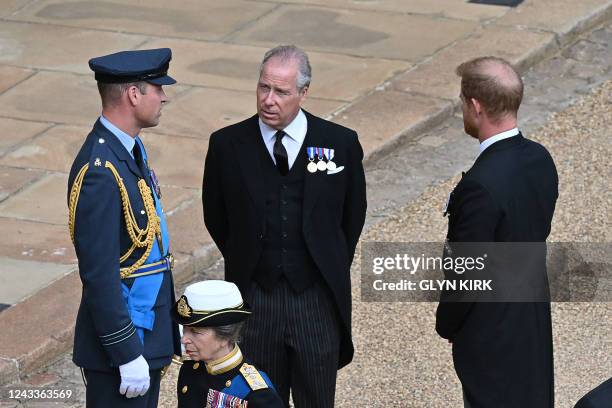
x,y
228,383
184,389
196,366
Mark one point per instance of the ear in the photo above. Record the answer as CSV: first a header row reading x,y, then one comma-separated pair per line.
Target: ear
x,y
133,95
303,93
477,106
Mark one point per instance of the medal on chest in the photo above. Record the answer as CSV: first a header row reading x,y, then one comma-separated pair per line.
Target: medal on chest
x,y
311,166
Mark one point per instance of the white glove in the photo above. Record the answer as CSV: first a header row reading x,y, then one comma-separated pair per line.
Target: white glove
x,y
134,377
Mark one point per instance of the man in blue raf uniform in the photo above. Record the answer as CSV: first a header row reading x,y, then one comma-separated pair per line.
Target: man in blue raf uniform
x,y
124,333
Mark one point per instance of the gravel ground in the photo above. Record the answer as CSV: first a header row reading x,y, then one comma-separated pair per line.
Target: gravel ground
x,y
399,359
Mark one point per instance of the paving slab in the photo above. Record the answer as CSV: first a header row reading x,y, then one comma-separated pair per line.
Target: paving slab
x,y
446,8
201,19
54,150
204,110
173,197
28,45
64,98
53,97
10,76
436,77
186,227
36,241
601,35
42,201
563,17
8,7
403,37
591,53
19,279
236,67
178,161
9,371
40,334
383,115
15,132
13,179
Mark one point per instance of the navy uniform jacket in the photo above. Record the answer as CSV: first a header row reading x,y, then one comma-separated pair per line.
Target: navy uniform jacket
x,y
503,351
194,382
105,336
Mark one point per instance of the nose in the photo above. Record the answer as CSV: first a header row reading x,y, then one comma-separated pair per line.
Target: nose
x,y
270,99
184,339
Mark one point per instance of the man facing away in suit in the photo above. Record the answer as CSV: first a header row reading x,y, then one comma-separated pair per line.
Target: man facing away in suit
x,y
502,352
284,200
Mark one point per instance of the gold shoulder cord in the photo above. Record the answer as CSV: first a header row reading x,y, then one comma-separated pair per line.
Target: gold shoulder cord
x,y
74,198
141,238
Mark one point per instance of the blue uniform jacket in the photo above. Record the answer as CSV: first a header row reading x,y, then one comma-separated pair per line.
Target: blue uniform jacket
x,y
105,336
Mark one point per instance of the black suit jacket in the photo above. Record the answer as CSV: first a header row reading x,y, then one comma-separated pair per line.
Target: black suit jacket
x,y
600,397
503,351
333,209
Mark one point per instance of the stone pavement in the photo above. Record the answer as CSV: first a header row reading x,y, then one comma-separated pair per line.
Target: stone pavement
x,y
406,190
384,68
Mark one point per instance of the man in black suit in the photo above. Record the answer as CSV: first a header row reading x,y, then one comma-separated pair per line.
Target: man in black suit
x,y
284,200
600,397
502,351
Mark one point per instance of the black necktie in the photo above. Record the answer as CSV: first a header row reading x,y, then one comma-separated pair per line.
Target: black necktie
x,y
280,154
139,160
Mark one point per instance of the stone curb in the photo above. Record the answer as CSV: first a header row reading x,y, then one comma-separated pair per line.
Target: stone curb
x,y
35,332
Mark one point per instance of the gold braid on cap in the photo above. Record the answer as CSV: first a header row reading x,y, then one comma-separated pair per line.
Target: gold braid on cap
x,y
141,238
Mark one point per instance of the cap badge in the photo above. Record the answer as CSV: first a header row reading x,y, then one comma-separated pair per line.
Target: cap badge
x,y
183,308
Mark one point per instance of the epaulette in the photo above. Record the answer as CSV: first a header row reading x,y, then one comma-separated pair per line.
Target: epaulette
x,y
252,377
99,154
97,160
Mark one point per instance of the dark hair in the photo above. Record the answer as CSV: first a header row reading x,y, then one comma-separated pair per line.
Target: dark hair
x,y
111,93
494,83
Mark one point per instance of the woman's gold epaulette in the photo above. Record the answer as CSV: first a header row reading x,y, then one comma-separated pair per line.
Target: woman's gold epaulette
x,y
140,237
253,377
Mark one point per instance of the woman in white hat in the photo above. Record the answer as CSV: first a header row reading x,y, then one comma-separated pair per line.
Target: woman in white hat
x,y
217,375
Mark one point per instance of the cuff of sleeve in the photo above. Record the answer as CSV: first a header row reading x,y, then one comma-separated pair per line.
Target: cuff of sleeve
x,y
122,346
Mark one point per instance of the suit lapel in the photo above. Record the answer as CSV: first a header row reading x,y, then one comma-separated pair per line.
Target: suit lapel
x,y
248,157
313,182
117,148
251,167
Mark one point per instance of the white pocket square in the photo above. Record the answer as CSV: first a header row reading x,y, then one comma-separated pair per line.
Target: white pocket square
x,y
336,170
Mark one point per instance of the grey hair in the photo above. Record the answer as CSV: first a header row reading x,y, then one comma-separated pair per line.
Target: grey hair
x,y
111,93
288,53
230,332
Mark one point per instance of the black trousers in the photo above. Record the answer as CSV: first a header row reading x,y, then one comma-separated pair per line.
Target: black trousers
x,y
295,339
102,391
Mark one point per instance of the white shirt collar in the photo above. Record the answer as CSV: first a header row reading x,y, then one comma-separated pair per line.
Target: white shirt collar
x,y
296,130
126,140
497,138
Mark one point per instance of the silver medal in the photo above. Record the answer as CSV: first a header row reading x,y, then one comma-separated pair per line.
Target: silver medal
x,y
321,165
312,167
331,165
